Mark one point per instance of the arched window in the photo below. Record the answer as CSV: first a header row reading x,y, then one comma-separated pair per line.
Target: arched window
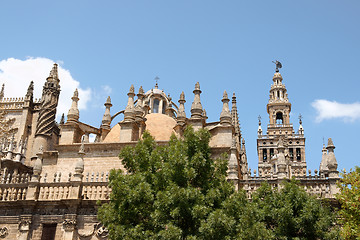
x,y
156,105
279,118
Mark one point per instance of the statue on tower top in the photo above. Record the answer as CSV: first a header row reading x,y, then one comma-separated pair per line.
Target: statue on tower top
x,y
278,65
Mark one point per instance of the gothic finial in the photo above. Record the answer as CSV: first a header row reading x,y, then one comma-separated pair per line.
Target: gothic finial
x,y
234,116
62,120
132,89
30,91
108,100
141,90
259,118
278,65
76,93
330,144
2,91
182,96
300,118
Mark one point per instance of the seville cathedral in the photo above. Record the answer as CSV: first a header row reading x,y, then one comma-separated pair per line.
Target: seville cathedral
x,y
52,176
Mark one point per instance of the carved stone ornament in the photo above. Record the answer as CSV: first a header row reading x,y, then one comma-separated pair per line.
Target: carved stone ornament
x,y
4,231
24,225
69,224
99,231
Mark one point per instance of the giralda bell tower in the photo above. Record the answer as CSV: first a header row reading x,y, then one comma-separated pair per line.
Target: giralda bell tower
x,y
281,151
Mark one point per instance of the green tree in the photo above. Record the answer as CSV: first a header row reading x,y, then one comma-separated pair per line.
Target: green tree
x,y
349,198
291,213
175,191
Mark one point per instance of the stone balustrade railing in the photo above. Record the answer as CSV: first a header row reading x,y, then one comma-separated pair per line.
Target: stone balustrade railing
x,y
96,191
93,186
13,191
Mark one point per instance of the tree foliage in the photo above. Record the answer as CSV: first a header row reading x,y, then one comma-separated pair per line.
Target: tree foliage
x,y
349,198
291,213
178,191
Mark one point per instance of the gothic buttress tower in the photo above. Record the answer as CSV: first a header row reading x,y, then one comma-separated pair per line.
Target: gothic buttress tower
x,y
280,129
46,129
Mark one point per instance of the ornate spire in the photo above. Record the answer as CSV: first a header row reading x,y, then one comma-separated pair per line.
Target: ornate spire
x,y
106,120
49,102
196,107
225,116
129,110
235,116
54,73
30,92
2,91
181,115
73,114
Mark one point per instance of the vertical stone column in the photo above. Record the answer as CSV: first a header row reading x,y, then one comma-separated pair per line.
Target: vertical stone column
x,y
69,226
24,227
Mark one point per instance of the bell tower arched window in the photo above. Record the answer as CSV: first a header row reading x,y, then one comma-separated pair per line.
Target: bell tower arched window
x,y
279,118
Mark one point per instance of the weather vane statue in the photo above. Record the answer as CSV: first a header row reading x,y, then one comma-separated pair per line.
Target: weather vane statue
x,y
278,65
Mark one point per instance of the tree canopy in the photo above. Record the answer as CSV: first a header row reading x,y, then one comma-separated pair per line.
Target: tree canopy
x,y
349,198
178,191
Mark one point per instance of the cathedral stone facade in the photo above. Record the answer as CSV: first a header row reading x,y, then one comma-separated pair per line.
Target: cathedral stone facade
x,y
52,176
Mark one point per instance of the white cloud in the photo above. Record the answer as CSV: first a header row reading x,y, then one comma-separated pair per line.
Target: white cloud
x,y
17,74
332,109
107,89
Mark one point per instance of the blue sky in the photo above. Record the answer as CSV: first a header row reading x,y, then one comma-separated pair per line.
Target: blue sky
x,y
105,46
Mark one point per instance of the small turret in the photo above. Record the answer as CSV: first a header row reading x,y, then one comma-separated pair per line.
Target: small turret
x,y
73,114
323,165
331,159
225,116
196,107
181,115
106,120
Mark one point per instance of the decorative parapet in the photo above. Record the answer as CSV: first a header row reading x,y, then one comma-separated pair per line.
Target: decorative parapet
x,y
316,185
